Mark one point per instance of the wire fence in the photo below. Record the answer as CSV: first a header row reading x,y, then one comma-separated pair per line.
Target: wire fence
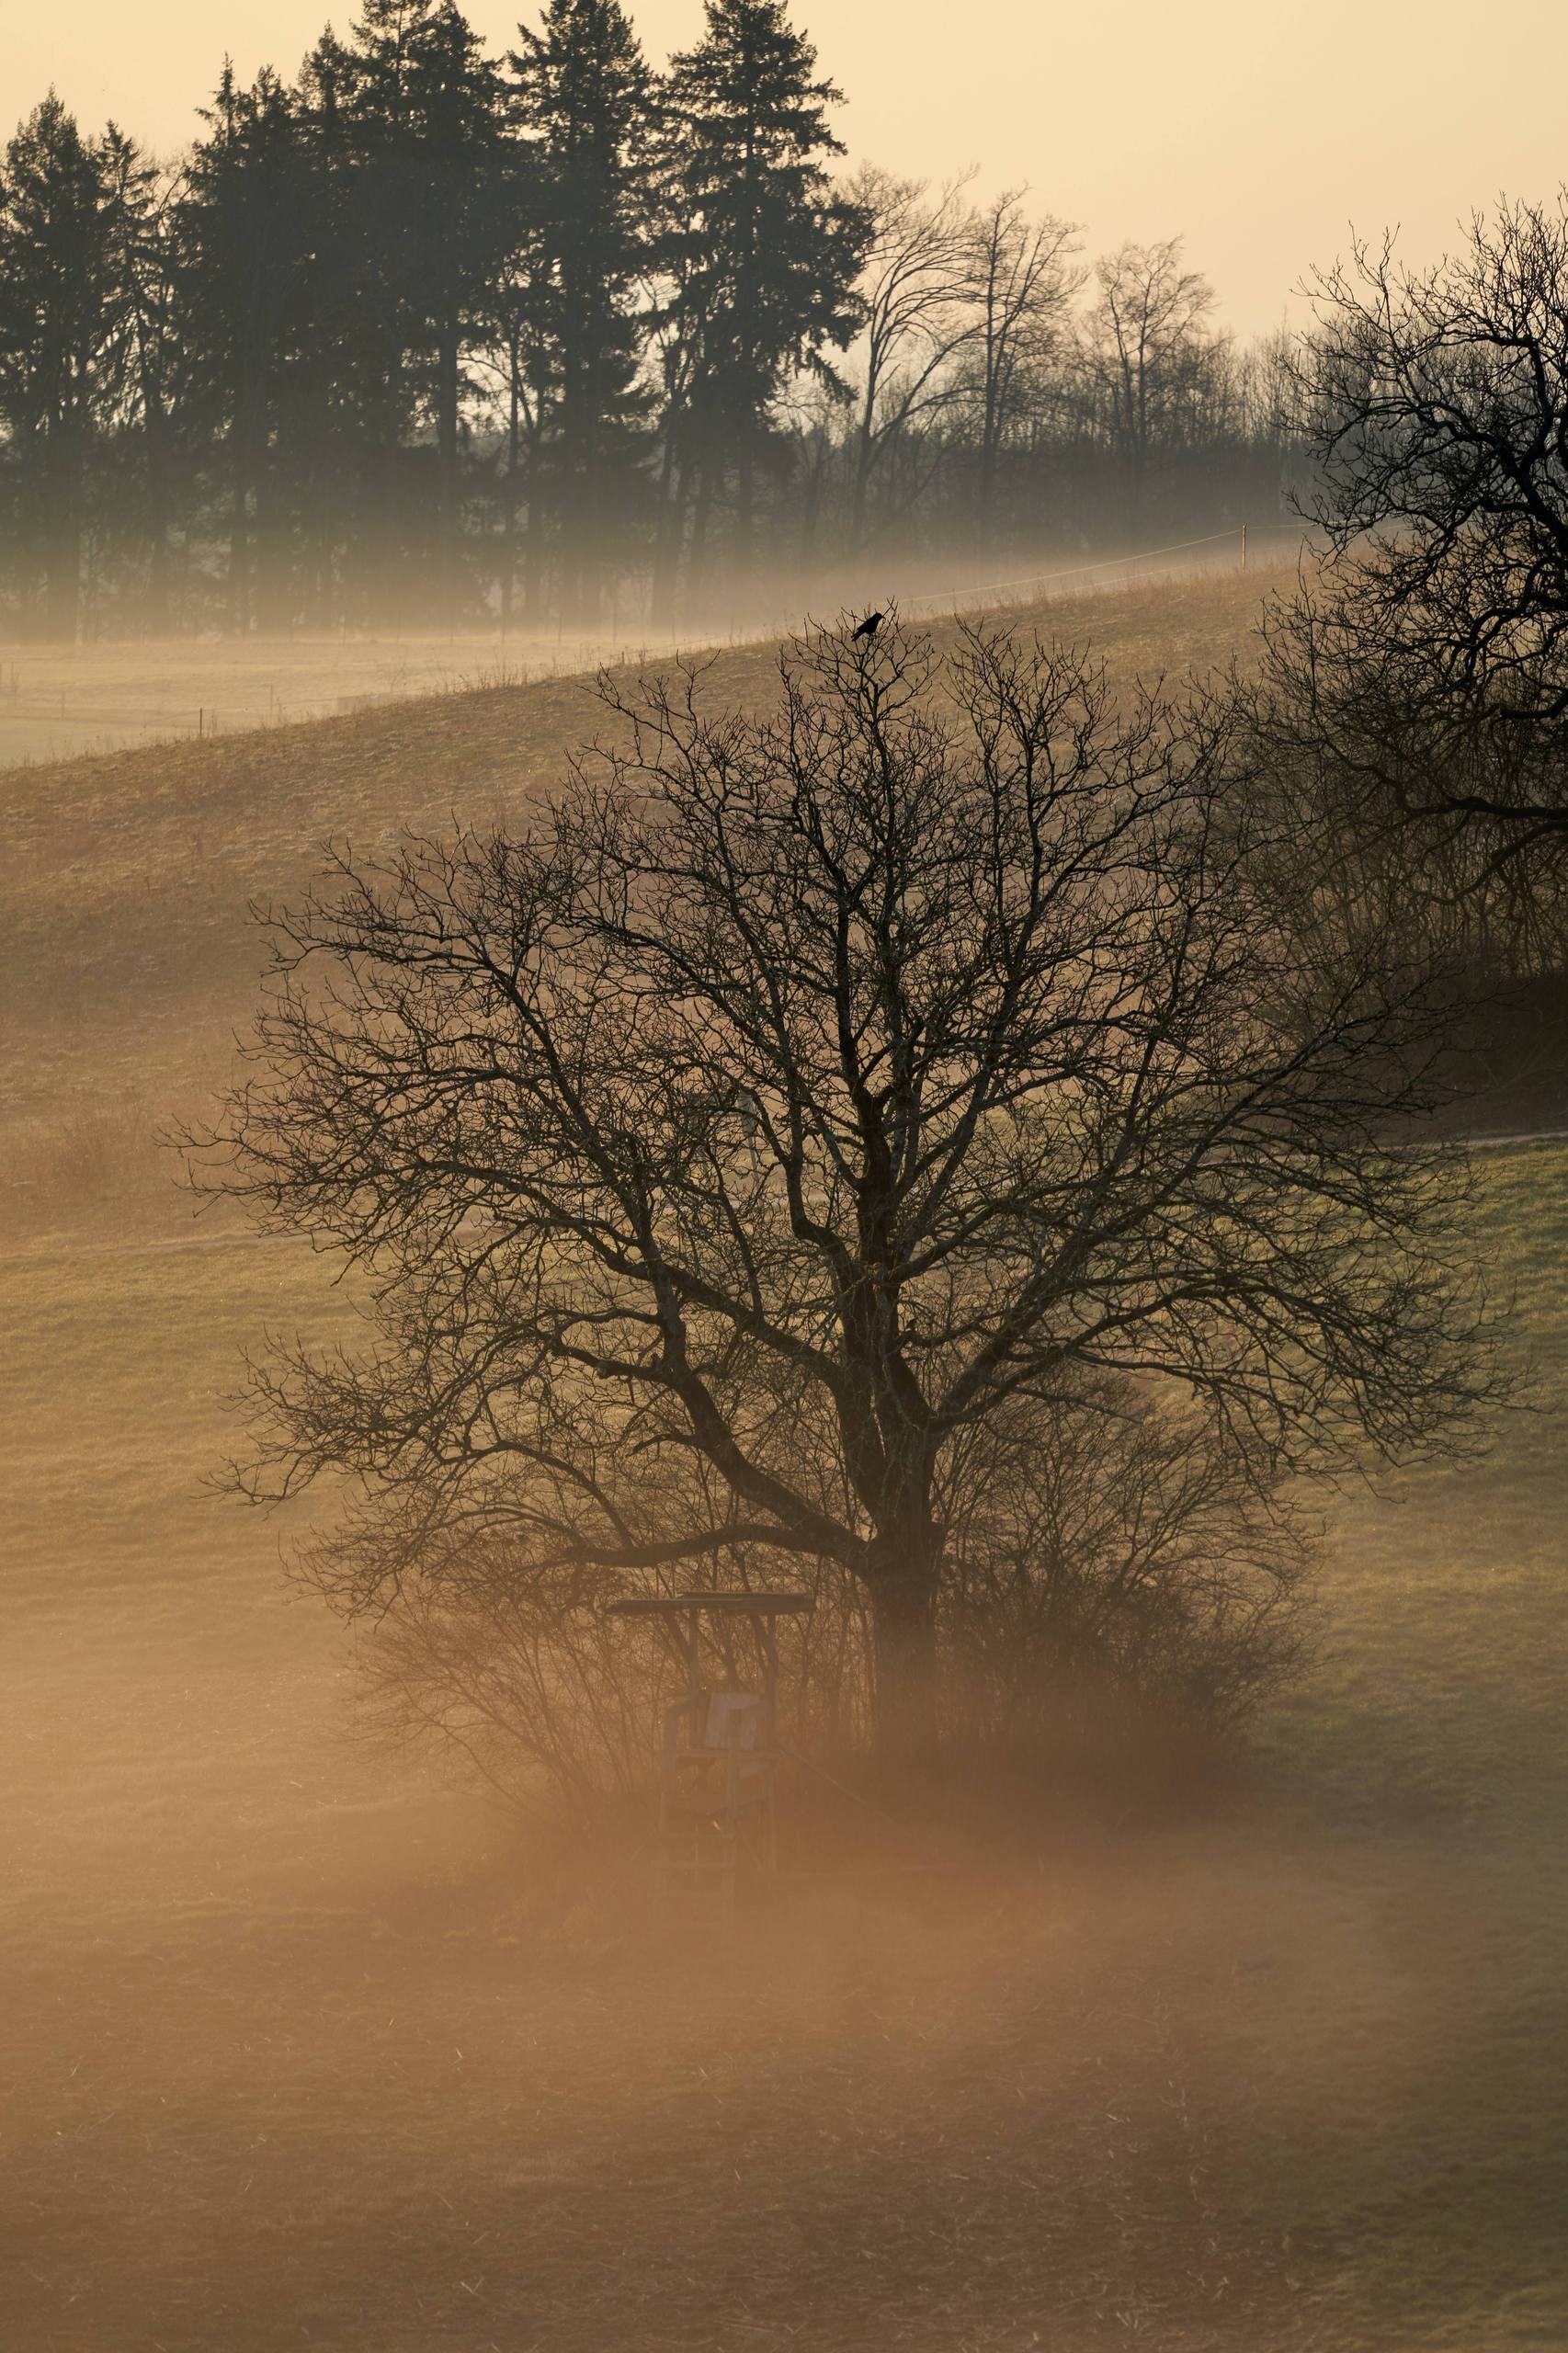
x,y
109,725
1241,537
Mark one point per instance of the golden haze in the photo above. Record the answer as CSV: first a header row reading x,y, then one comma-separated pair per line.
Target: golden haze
x,y
1257,132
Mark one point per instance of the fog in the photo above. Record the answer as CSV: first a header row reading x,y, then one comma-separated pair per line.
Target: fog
x,y
296,2048
1151,1933
306,2042
58,700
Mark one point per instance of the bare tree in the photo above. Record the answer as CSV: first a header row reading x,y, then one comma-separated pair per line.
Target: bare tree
x,y
805,1090
1021,281
1439,399
1117,1553
1448,804
1428,664
913,290
1111,1563
1145,345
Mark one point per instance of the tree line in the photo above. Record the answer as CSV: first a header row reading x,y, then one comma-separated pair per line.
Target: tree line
x,y
560,338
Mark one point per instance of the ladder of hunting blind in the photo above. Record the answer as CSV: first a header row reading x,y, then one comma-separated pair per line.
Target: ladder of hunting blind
x,y
718,1762
718,1807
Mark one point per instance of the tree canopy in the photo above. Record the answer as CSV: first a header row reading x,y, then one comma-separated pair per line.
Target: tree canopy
x,y
804,1089
1423,677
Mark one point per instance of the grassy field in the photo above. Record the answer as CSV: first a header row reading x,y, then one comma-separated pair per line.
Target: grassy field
x,y
290,2054
61,702
125,957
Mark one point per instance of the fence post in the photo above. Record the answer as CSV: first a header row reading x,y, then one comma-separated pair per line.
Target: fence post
x,y
1244,547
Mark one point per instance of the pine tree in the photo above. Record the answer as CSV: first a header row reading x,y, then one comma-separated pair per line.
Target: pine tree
x,y
423,110
142,367
521,308
246,240
53,273
762,254
583,97
350,396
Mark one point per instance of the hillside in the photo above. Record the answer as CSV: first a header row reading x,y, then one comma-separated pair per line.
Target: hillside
x,y
285,2060
127,957
293,2052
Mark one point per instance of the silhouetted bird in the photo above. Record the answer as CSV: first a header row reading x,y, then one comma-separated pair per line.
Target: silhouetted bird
x,y
868,626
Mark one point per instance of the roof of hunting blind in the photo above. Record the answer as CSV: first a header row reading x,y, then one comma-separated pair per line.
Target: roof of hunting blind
x,y
729,1604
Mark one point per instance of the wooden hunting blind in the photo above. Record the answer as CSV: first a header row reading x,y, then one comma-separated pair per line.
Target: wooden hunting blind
x,y
718,1756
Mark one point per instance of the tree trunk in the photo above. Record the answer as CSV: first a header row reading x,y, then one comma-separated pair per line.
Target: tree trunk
x,y
514,451
571,492
238,582
273,548
904,1651
744,562
448,409
536,534
811,510
697,546
63,593
667,531
160,508
62,578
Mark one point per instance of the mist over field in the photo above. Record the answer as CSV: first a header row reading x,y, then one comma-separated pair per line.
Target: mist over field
x,y
109,694
301,2039
783,1193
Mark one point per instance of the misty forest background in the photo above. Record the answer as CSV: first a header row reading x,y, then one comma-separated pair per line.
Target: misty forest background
x,y
556,338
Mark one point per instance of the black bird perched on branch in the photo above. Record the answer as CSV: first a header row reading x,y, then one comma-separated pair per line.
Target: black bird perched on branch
x,y
868,626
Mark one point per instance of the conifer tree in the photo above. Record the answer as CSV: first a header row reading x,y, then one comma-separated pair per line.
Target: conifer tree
x,y
250,306
762,254
142,368
346,411
54,268
520,327
422,105
583,98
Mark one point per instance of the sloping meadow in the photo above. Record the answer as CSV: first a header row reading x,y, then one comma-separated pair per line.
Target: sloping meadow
x,y
293,2048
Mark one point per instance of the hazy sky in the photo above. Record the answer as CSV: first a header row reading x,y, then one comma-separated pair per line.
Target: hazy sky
x,y
1259,130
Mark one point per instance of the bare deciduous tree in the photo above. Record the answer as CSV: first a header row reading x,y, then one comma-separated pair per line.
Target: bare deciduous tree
x,y
917,321
1021,280
803,1092
1427,669
1440,404
1146,343
1111,1563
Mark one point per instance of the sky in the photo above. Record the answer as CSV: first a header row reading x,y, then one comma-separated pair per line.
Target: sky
x,y
1258,132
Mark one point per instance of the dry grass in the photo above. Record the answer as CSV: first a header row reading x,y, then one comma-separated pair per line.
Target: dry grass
x,y
59,702
288,2052
287,2060
126,959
